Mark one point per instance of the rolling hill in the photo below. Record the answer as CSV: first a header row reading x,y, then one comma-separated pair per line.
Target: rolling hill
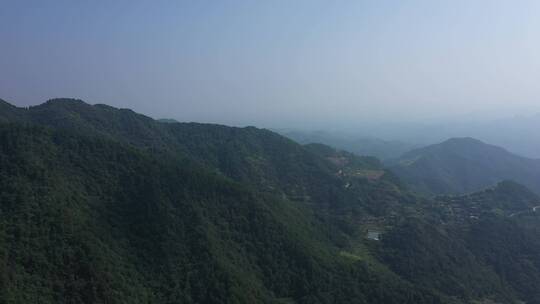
x,y
462,165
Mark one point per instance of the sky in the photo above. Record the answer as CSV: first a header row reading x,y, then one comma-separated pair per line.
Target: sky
x,y
302,63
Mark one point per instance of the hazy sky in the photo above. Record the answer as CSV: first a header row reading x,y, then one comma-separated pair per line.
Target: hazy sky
x,y
276,63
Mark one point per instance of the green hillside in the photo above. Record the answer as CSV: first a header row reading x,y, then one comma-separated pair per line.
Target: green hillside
x,y
463,165
91,221
104,205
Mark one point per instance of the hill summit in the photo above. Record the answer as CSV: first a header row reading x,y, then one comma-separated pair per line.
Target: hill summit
x,y
462,165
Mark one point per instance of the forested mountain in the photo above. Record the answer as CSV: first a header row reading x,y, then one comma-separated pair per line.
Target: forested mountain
x,y
462,165
256,157
103,205
482,242
91,221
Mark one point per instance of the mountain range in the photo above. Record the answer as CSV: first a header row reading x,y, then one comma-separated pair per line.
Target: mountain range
x,y
104,205
349,141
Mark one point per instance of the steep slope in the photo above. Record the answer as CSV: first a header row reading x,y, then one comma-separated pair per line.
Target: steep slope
x,y
10,113
245,154
462,165
259,158
90,221
141,211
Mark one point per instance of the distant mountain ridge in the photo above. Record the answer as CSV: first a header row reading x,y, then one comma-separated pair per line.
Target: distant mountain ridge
x,y
360,145
462,165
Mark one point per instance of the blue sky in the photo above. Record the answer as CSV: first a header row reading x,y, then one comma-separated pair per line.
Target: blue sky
x,y
277,63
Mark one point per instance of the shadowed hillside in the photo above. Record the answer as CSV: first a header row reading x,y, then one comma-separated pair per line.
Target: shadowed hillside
x,y
462,165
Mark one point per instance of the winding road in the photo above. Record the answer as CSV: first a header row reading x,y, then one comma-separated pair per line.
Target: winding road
x,y
521,212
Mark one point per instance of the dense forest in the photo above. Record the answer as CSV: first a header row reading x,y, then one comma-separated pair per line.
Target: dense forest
x,y
104,205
